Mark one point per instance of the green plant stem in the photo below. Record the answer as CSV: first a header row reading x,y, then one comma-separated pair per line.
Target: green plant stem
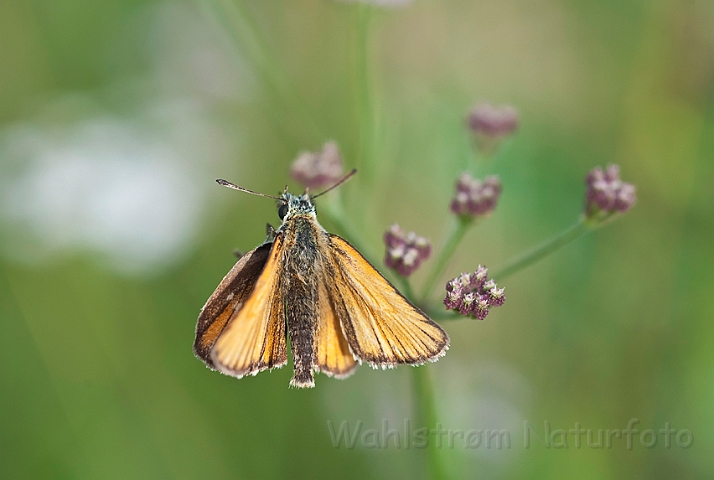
x,y
473,155
365,95
335,211
406,287
538,252
245,32
455,237
426,418
443,314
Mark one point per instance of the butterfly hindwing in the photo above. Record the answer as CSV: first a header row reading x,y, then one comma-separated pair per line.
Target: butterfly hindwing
x,y
254,336
382,327
332,352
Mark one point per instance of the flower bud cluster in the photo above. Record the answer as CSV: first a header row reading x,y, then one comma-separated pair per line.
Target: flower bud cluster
x,y
475,198
473,294
493,121
405,251
318,169
607,193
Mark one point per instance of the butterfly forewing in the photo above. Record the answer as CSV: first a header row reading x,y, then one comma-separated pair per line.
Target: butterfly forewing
x,y
254,337
228,297
381,326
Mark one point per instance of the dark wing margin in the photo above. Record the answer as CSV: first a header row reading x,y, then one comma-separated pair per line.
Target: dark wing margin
x,y
229,297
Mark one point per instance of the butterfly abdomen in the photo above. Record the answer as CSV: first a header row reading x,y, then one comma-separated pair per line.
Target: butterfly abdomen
x,y
301,295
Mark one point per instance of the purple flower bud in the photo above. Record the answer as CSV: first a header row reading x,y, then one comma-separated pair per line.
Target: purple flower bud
x,y
318,169
612,174
405,252
496,297
477,279
453,300
475,198
394,256
606,193
488,120
481,307
473,294
423,246
460,203
480,276
464,280
454,285
410,258
467,304
626,198
595,175
394,236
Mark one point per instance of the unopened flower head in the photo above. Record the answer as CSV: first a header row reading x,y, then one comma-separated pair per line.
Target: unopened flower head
x,y
493,121
491,124
475,198
405,251
607,194
473,294
318,169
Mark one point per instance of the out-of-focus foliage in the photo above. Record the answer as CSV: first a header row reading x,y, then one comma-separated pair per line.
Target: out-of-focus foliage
x,y
117,116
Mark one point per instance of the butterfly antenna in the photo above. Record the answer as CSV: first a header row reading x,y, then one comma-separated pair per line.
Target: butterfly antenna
x,y
340,182
228,184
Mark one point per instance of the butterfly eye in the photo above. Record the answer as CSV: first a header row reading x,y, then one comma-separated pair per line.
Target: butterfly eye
x,y
283,210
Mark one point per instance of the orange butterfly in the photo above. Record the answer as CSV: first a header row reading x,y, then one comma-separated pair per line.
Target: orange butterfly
x,y
338,310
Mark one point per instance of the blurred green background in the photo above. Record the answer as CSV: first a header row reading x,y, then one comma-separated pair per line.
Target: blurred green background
x,y
117,116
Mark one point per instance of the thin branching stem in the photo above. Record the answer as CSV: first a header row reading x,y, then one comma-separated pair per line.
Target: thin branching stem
x,y
426,418
335,211
455,236
243,29
436,313
365,94
538,252
406,287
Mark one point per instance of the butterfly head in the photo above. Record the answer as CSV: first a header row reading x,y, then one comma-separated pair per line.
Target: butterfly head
x,y
290,205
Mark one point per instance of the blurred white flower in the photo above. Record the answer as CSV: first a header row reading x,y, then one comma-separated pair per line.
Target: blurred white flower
x,y
106,185
132,188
